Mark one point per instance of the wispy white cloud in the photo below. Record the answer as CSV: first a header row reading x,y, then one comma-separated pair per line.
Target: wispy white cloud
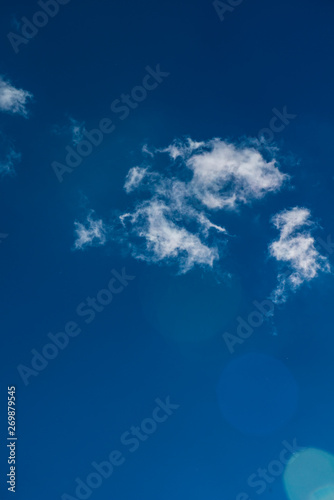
x,y
7,165
166,240
92,232
134,178
173,222
13,100
9,157
226,176
296,247
74,128
181,148
77,130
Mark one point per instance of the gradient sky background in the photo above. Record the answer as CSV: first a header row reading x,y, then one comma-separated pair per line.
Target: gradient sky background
x,y
162,336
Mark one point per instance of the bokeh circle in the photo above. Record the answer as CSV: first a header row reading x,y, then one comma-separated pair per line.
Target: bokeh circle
x,y
309,475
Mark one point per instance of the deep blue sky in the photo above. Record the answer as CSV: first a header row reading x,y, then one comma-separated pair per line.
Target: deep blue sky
x,y
162,336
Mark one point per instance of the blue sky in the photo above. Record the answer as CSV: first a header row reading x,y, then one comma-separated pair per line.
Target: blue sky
x,y
166,218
